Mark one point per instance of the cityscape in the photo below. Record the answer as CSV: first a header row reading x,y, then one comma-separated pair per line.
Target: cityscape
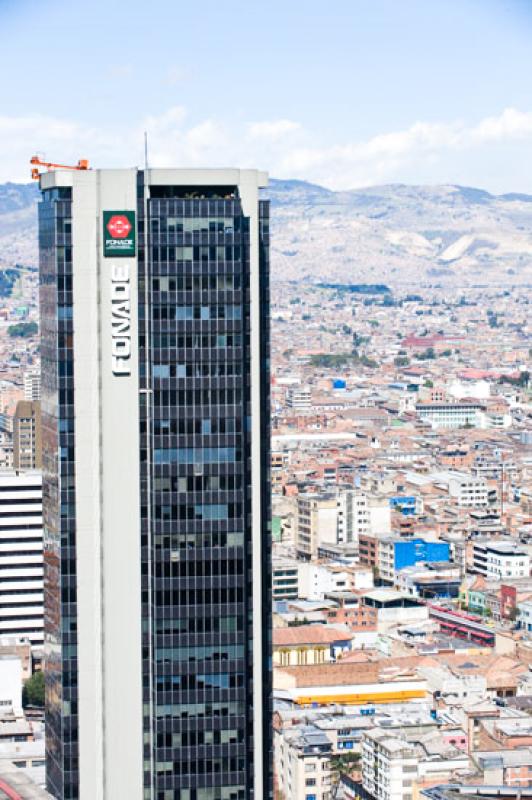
x,y
266,427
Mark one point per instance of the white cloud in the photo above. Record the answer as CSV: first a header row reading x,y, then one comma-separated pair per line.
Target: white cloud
x,y
511,124
282,146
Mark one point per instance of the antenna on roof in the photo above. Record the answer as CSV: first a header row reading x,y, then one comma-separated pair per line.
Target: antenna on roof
x,y
145,149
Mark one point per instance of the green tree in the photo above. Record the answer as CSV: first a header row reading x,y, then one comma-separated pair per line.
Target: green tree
x,y
33,691
343,764
23,329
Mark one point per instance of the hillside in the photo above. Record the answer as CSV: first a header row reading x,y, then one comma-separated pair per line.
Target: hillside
x,y
393,234
401,234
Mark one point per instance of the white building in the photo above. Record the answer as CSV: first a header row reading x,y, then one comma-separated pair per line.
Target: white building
x,y
340,518
389,766
303,763
500,559
317,580
10,685
21,556
353,516
299,398
285,579
32,385
524,616
393,764
466,490
360,515
451,415
393,608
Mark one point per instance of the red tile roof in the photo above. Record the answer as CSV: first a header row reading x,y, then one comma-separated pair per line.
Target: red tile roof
x,y
309,634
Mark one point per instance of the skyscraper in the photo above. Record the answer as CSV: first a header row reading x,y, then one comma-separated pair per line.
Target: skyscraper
x,y
155,406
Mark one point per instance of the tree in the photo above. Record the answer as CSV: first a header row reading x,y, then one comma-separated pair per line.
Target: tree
x,y
23,329
33,691
343,764
427,354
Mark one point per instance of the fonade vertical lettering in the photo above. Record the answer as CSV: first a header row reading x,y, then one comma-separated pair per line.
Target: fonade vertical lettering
x,y
120,319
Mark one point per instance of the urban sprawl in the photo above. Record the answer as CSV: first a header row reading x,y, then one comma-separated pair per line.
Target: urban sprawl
x,y
401,528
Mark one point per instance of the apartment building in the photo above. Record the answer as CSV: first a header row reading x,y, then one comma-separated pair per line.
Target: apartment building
x,y
389,766
285,579
393,765
353,516
21,556
345,517
496,560
32,385
299,398
369,546
27,437
316,523
469,491
303,763
396,553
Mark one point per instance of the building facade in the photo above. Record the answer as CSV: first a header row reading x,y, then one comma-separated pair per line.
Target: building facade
x,y
155,400
27,437
396,553
451,415
32,385
498,560
21,557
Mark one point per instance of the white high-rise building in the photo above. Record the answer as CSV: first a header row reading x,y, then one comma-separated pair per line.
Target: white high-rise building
x,y
32,385
21,556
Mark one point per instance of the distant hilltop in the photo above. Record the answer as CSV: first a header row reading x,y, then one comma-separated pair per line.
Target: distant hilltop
x,y
392,234
398,234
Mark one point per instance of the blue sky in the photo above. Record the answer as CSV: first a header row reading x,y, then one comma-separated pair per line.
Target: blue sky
x,y
346,93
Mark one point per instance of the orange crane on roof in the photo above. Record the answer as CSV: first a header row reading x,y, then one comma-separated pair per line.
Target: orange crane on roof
x,y
36,162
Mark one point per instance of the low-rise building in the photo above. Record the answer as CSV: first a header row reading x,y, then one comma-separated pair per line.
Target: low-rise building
x,y
309,644
497,560
285,579
299,398
396,553
349,684
391,608
451,415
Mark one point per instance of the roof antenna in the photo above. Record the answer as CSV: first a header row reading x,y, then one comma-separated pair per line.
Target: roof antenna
x,y
145,150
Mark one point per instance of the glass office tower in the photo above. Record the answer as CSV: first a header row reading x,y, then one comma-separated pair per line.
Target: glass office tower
x,y
155,367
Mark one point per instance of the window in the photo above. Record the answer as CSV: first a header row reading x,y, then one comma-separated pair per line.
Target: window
x,y
196,455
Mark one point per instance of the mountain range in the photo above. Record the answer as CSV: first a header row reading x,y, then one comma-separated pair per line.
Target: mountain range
x,y
397,234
